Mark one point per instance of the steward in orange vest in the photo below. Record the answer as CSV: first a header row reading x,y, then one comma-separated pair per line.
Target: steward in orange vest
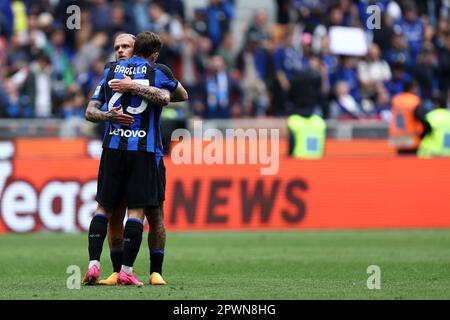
x,y
405,128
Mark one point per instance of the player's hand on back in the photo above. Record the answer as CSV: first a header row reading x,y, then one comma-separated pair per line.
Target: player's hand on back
x,y
122,85
116,115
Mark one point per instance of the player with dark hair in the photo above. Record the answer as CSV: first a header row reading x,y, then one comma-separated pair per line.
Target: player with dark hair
x,y
155,216
132,156
123,48
157,233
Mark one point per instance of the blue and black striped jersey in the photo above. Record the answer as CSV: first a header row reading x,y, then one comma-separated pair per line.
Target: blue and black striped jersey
x,y
144,134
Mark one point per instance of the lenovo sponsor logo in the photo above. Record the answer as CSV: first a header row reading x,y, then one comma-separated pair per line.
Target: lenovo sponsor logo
x,y
127,133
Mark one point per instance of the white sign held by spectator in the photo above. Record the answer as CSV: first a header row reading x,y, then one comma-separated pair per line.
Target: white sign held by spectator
x,y
348,41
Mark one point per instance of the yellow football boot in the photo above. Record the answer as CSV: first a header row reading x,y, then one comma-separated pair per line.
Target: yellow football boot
x,y
111,280
156,279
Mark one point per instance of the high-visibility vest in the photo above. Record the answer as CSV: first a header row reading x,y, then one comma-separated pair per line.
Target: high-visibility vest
x,y
404,129
437,142
20,16
309,136
168,113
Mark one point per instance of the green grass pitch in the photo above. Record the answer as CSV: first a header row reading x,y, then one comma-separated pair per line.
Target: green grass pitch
x,y
415,264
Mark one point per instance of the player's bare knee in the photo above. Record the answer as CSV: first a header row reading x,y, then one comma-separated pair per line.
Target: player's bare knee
x,y
104,211
136,214
154,215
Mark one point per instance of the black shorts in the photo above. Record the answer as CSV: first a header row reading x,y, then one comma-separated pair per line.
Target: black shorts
x,y
135,176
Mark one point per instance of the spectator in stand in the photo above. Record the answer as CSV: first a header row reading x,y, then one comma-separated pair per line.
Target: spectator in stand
x,y
287,60
349,13
346,71
335,17
100,13
174,8
306,48
310,13
6,19
345,106
399,51
3,55
284,8
226,51
253,64
429,10
61,57
202,54
308,89
13,103
46,23
92,76
41,6
74,103
190,70
117,22
382,106
162,21
399,77
425,72
329,60
171,32
200,22
219,14
36,37
17,53
258,26
139,9
412,28
221,95
372,72
40,84
89,53
3,99
442,41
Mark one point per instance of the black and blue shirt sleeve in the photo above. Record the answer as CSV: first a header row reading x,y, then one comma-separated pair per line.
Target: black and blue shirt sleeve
x,y
166,78
99,93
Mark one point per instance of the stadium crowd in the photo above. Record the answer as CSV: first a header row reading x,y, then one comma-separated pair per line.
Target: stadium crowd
x,y
50,70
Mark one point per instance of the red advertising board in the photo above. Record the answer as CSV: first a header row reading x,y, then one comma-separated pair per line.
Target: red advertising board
x,y
51,184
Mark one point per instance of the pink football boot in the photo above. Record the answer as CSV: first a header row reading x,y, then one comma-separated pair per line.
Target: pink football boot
x,y
128,279
91,276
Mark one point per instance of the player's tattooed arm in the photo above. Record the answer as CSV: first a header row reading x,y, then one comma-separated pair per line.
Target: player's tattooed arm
x,y
94,114
152,94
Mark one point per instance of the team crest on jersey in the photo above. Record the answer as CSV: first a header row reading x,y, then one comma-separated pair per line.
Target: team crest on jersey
x,y
97,90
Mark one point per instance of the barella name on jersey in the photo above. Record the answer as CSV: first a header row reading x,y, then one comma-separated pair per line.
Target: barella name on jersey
x,y
127,133
130,70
